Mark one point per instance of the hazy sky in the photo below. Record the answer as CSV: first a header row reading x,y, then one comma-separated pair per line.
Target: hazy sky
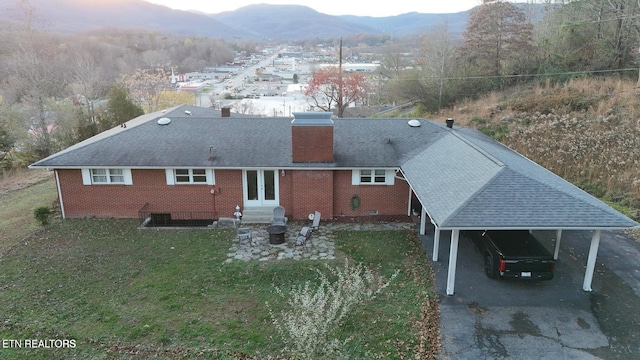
x,y
332,7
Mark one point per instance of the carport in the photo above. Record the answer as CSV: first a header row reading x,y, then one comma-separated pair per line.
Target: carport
x,y
468,181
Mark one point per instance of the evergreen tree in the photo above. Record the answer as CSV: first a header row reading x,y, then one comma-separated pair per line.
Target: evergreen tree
x,y
120,108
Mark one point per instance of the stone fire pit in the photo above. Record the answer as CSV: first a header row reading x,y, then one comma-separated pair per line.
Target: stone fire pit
x,y
276,234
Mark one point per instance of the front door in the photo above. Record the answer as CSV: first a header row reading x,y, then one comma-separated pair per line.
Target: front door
x,y
260,187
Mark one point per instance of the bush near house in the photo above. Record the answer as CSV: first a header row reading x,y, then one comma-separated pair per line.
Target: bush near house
x,y
41,213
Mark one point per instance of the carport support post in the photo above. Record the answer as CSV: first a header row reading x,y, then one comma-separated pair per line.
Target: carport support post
x,y
423,221
436,244
557,249
453,257
591,261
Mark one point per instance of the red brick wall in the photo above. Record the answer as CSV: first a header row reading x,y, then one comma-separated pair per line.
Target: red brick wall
x,y
286,192
311,190
386,199
229,183
301,192
312,143
124,201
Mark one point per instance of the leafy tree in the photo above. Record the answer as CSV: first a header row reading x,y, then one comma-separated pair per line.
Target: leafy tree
x,y
327,85
37,76
437,63
146,86
120,108
591,35
497,41
89,82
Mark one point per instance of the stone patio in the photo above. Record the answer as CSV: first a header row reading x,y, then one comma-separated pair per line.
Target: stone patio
x,y
320,247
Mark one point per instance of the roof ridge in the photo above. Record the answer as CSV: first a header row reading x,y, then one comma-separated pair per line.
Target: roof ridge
x,y
477,148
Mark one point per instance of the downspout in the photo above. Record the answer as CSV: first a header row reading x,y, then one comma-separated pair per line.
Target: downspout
x,y
59,194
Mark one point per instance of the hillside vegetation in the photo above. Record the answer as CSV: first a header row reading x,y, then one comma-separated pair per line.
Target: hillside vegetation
x,y
585,130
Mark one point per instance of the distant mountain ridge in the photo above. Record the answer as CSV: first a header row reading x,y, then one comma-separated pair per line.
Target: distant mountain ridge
x,y
256,22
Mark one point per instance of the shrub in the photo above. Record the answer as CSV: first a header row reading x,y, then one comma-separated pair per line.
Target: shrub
x,y
315,312
41,214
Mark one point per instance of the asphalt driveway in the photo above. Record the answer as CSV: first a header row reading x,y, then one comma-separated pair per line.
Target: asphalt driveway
x,y
494,319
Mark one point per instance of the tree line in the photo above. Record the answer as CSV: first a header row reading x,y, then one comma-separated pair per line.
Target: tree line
x,y
82,84
502,47
56,90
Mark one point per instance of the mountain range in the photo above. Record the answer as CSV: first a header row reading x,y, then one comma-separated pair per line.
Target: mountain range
x,y
255,22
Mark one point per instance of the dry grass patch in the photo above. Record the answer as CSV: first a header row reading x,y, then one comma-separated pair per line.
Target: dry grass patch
x,y
20,193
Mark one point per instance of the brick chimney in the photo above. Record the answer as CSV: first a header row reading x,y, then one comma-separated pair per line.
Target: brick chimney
x,y
225,112
312,137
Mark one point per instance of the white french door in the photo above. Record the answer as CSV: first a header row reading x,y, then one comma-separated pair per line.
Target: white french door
x,y
260,187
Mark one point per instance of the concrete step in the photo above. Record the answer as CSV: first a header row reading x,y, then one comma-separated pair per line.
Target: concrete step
x,y
257,215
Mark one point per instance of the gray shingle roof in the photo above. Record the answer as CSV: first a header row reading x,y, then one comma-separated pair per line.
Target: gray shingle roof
x,y
448,173
463,178
240,142
482,184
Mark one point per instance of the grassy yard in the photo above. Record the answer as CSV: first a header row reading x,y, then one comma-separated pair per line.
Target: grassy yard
x,y
16,205
120,292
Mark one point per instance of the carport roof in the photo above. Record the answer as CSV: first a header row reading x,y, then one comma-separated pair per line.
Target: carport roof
x,y
466,180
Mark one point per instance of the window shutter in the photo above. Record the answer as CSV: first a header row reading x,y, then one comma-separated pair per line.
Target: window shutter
x,y
355,177
211,179
86,176
391,177
170,179
128,179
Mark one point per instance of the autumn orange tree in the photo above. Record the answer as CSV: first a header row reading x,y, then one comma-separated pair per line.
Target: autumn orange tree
x,y
327,86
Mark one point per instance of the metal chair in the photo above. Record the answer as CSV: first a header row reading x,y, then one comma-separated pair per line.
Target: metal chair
x,y
316,221
278,216
303,238
244,233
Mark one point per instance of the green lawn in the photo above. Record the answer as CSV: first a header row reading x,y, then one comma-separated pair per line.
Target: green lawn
x,y
120,292
16,212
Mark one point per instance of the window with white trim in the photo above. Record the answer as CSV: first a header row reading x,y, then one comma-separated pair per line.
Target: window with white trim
x,y
373,177
106,176
190,176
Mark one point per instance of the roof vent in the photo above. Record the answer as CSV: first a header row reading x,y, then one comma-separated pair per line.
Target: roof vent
x,y
187,112
164,121
414,123
449,122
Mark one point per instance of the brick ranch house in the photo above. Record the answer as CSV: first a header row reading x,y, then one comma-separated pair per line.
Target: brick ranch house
x,y
202,165
195,163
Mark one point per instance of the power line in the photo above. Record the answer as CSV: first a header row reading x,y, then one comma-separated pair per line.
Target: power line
x,y
526,75
540,74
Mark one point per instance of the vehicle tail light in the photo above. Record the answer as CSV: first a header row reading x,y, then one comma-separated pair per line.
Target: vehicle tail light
x,y
503,265
553,265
